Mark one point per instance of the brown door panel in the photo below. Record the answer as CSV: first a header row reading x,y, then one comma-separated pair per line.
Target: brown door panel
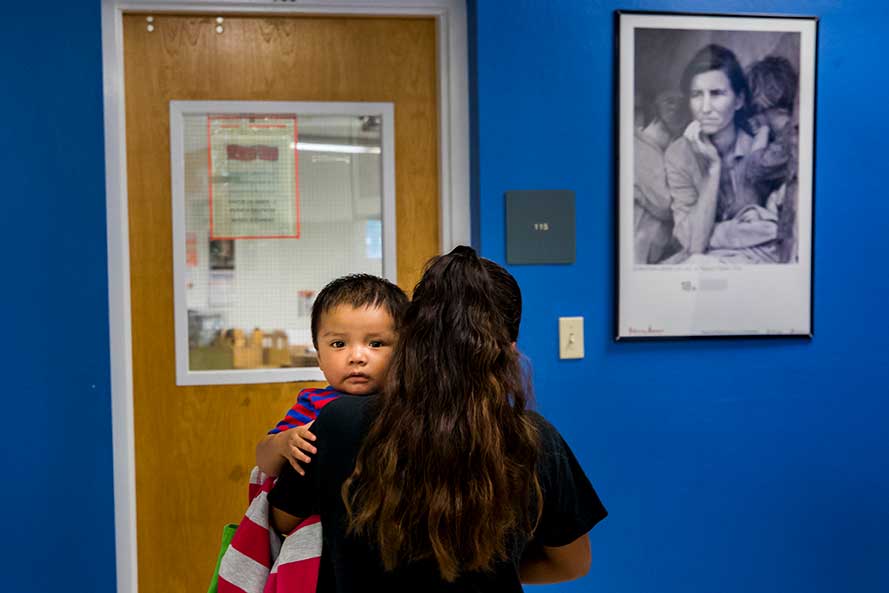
x,y
194,445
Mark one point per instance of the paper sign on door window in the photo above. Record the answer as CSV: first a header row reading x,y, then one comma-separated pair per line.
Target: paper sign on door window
x,y
253,189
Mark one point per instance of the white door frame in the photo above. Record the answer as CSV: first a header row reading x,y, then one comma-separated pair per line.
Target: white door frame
x,y
453,99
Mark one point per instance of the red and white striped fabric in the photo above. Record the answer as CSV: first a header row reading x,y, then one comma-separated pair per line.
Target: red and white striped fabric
x,y
256,560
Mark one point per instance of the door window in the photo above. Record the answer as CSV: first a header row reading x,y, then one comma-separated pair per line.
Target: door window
x,y
271,201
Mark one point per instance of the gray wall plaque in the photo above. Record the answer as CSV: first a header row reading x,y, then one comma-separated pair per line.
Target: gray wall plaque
x,y
540,227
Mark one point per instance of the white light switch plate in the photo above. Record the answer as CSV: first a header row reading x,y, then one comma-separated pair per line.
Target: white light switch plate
x,y
570,337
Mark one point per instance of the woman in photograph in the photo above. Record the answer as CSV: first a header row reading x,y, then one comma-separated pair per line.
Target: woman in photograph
x,y
716,207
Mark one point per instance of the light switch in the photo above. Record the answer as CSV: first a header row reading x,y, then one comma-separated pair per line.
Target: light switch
x,y
570,337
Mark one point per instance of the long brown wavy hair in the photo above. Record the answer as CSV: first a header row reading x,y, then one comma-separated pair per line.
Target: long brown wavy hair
x,y
447,471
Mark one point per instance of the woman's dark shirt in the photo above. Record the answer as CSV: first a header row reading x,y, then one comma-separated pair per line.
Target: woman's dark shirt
x,y
349,564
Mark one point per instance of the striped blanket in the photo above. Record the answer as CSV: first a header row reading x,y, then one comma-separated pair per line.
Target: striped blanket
x,y
258,562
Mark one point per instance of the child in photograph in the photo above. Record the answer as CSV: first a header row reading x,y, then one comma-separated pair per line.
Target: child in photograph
x,y
773,91
354,328
652,216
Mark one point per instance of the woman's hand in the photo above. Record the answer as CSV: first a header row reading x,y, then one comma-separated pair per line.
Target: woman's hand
x,y
701,144
694,221
541,564
283,522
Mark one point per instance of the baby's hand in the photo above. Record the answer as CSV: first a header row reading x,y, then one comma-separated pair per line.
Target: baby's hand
x,y
296,444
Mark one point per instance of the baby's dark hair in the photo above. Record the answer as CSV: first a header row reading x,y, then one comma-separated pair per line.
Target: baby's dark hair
x,y
773,83
358,290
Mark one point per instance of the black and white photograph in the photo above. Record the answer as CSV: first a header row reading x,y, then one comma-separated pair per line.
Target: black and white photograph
x,y
715,169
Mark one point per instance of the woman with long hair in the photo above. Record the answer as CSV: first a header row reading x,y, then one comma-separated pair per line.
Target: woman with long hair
x,y
445,481
709,167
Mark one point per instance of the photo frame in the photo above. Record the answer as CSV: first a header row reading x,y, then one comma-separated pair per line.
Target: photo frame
x,y
715,142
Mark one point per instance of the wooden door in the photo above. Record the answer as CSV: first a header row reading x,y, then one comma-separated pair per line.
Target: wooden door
x,y
195,445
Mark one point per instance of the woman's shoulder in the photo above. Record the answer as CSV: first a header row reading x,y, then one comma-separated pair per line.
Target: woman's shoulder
x,y
347,404
345,413
537,418
550,438
564,481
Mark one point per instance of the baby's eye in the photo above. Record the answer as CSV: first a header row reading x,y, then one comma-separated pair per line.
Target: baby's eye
x,y
338,344
376,344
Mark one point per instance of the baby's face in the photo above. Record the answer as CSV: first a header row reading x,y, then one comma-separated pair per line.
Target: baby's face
x,y
355,347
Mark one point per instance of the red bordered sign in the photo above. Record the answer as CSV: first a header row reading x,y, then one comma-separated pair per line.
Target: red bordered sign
x,y
253,172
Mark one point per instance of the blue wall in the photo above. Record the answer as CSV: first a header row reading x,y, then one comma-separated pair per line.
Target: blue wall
x,y
729,466
57,488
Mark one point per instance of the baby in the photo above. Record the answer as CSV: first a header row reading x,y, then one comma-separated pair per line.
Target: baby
x,y
354,327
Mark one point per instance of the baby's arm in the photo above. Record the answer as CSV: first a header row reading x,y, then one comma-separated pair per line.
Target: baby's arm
x,y
288,446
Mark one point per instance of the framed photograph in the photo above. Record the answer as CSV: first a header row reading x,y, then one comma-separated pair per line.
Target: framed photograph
x,y
715,142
